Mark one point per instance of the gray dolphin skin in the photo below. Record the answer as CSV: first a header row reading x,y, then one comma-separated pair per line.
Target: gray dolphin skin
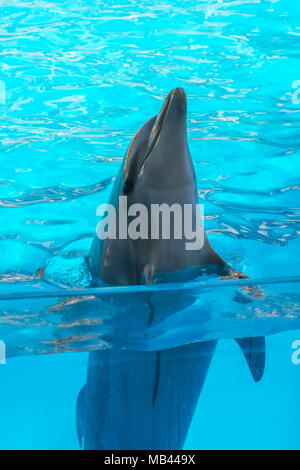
x,y
139,399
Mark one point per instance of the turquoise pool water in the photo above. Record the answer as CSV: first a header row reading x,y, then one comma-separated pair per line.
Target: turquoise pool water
x,y
77,79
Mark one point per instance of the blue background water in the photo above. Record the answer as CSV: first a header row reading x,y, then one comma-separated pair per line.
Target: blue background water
x,y
77,79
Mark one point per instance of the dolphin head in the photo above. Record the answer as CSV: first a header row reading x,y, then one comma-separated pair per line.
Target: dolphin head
x,y
159,156
157,170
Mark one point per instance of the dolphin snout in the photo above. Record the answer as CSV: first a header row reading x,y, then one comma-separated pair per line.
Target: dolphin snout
x,y
178,97
176,102
172,113
176,106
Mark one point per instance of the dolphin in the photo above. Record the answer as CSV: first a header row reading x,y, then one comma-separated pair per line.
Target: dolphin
x,y
146,399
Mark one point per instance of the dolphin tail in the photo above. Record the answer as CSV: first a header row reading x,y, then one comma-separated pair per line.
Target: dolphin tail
x,y
80,405
254,352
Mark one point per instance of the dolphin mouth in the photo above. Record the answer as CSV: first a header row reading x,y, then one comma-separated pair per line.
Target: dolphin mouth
x,y
172,116
177,97
158,124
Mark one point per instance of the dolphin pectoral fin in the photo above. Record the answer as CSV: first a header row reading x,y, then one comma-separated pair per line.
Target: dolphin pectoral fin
x,y
254,352
254,349
80,405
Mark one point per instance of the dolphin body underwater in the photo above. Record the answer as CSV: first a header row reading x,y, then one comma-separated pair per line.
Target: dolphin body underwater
x,y
146,399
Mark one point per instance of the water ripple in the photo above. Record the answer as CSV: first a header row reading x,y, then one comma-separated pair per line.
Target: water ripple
x,y
54,194
77,79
